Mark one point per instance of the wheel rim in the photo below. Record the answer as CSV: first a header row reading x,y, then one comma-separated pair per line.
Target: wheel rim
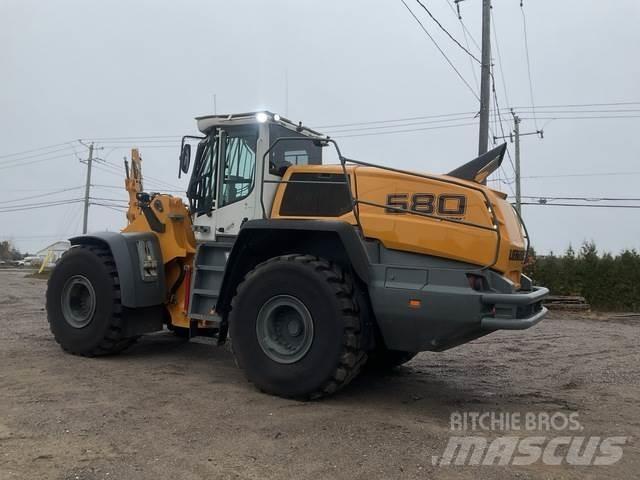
x,y
285,329
78,301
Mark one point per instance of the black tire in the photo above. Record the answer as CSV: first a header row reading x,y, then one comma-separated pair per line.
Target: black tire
x,y
334,355
100,330
381,358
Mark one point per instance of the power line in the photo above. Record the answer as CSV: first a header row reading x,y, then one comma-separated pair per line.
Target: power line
x,y
36,204
405,119
585,199
20,163
500,64
35,155
30,197
441,51
578,205
23,237
466,42
34,150
447,32
590,117
578,105
526,46
141,146
138,141
115,170
506,111
628,110
118,200
111,207
379,127
495,99
102,139
566,175
122,188
465,30
498,114
19,208
441,127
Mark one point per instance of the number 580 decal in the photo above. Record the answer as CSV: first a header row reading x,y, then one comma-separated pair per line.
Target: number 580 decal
x,y
445,204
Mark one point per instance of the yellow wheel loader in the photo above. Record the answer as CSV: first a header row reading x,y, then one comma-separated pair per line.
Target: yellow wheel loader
x,y
312,270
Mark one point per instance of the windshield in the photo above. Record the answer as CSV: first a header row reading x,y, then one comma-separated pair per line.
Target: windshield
x,y
235,147
202,191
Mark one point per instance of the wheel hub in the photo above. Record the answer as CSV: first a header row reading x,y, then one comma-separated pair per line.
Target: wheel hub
x,y
78,301
284,328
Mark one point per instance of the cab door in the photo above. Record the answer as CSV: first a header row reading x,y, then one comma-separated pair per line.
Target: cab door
x,y
237,186
233,182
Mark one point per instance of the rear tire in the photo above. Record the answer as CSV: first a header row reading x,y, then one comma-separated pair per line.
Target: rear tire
x,y
83,303
295,327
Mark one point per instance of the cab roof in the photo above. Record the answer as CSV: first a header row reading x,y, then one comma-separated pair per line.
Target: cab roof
x,y
206,122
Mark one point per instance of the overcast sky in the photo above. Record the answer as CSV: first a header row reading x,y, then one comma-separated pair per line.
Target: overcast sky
x,y
90,69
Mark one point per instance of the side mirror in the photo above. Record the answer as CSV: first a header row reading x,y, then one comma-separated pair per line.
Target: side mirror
x,y
185,158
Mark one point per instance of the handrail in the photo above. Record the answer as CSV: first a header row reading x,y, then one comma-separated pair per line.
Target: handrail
x,y
321,140
355,202
526,234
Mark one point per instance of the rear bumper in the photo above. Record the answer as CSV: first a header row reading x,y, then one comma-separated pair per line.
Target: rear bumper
x,y
451,315
514,311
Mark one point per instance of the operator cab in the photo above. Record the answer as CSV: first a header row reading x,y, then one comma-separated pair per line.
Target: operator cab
x,y
237,165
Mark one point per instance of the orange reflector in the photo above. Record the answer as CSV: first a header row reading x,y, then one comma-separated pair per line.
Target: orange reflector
x,y
415,303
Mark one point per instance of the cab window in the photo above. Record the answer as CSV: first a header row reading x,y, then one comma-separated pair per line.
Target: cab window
x,y
239,165
291,152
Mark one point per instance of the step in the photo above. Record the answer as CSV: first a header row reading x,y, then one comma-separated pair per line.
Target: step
x,y
205,293
209,318
210,268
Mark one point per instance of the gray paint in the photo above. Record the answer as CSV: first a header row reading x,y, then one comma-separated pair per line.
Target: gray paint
x,y
451,312
135,292
208,277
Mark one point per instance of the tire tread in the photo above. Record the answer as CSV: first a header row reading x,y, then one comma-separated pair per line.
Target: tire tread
x,y
353,356
114,340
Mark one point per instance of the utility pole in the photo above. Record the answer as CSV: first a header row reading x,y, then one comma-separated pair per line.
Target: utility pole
x,y
485,78
87,189
516,131
514,137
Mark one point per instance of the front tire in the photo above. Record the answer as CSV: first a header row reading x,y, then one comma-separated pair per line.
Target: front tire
x,y
83,303
295,327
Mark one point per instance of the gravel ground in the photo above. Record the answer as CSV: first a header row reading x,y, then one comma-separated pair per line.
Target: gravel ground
x,y
174,409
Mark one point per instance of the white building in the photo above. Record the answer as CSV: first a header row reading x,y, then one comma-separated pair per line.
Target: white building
x,y
52,253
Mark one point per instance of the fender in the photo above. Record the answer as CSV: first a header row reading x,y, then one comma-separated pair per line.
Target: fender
x,y
139,287
260,240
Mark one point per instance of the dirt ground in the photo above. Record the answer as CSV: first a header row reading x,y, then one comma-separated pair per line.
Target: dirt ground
x,y
174,409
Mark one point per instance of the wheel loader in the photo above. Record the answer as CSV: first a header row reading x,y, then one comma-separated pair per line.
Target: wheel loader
x,y
312,270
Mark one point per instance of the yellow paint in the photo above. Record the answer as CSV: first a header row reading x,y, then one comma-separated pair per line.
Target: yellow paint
x,y
177,243
430,236
406,232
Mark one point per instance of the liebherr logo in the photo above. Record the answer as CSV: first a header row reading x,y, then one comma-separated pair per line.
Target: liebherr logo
x,y
545,446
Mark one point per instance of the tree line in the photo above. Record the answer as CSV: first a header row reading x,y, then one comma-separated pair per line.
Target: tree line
x,y
608,282
8,252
